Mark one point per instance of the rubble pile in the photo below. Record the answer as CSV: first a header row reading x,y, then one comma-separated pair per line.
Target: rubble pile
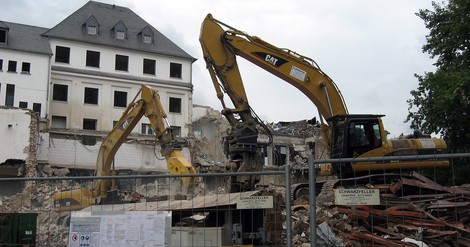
x,y
302,128
52,228
204,162
414,210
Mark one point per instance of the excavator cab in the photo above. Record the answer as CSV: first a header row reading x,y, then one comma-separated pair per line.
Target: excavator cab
x,y
352,136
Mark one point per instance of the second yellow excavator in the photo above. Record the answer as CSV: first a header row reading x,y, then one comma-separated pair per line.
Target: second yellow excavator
x,y
346,135
103,190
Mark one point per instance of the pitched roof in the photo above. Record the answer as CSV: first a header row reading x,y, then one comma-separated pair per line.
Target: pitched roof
x,y
25,38
107,16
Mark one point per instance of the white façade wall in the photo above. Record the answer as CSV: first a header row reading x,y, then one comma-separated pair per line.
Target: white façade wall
x,y
29,87
108,56
75,110
15,134
107,80
72,153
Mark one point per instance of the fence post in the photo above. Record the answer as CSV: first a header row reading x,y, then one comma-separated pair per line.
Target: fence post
x,y
313,202
288,207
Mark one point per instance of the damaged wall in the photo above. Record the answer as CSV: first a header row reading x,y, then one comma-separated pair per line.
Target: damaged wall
x,y
19,130
15,133
71,152
208,129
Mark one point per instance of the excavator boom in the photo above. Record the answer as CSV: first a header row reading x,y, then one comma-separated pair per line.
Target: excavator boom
x,y
220,48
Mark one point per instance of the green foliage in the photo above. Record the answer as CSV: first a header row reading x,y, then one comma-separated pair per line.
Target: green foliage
x,y
449,33
441,103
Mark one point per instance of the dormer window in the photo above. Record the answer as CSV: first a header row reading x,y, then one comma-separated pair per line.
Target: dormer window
x,y
147,39
3,36
146,35
120,35
119,31
91,26
3,33
91,30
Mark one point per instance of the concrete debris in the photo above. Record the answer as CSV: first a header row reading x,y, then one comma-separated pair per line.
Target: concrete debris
x,y
302,128
52,228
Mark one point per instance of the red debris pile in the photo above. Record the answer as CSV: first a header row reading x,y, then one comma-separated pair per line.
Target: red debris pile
x,y
414,211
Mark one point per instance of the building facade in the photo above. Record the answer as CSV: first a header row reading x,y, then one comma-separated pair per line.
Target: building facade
x,y
24,67
91,68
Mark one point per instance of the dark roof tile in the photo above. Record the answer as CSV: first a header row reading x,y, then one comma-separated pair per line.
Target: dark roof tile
x,y
25,38
108,16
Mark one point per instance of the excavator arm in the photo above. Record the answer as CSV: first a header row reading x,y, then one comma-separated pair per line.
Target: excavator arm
x,y
149,105
220,48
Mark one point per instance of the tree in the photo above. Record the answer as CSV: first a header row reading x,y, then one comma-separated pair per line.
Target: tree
x,y
442,99
441,103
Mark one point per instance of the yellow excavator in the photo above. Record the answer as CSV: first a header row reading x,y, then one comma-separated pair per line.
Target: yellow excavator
x,y
346,135
104,191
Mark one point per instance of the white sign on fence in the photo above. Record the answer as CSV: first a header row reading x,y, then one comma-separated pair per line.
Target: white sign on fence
x,y
124,228
357,197
253,202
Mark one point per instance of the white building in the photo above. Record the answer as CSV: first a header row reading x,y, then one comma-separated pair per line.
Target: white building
x,y
95,61
24,67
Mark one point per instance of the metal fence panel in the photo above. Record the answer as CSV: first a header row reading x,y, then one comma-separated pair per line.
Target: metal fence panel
x,y
413,208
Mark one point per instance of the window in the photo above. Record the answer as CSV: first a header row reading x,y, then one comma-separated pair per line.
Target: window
x,y
91,95
3,36
175,70
149,66
119,31
122,62
1,64
89,124
10,95
59,122
11,66
23,104
357,135
147,129
93,59
37,108
60,92
120,35
146,35
280,155
120,99
176,131
25,67
91,30
91,26
175,105
363,136
147,39
62,54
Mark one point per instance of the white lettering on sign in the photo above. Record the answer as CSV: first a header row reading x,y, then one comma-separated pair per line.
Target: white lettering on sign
x,y
270,59
253,202
297,73
357,197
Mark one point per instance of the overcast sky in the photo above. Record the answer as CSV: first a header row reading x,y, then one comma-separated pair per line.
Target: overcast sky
x,y
370,48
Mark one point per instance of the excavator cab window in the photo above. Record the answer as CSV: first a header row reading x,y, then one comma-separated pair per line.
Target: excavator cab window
x,y
338,146
363,136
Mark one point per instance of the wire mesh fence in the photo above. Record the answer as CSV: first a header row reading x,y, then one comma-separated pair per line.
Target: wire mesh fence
x,y
403,208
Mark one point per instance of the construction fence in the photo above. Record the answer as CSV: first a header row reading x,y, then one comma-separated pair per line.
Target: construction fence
x,y
406,208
